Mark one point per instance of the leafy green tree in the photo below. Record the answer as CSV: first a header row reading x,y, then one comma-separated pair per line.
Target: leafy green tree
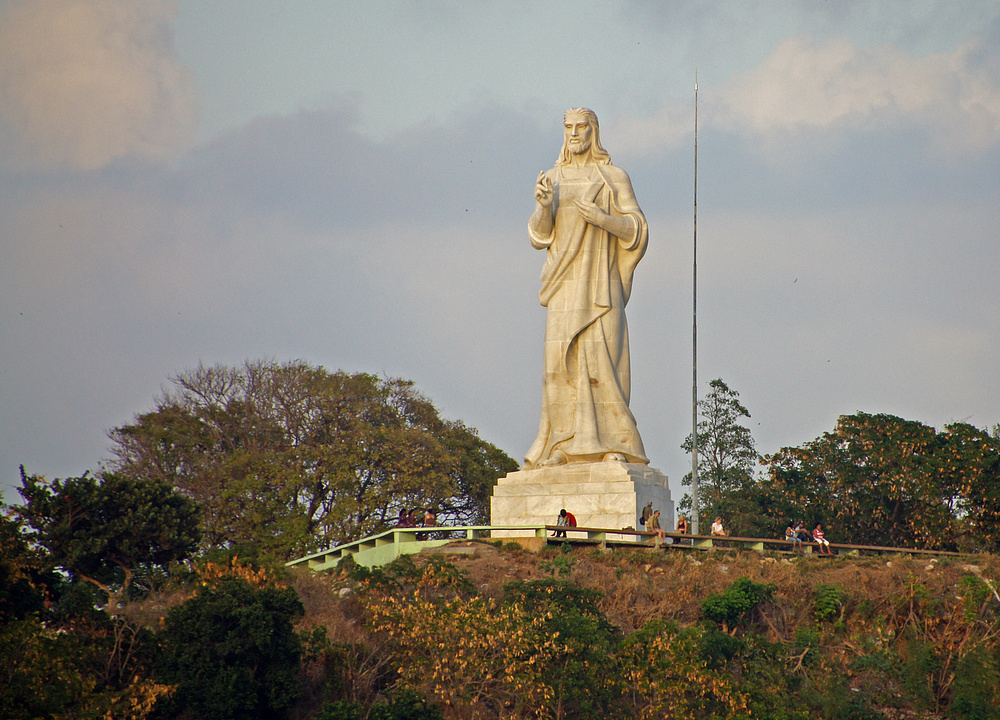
x,y
587,638
975,693
882,480
401,705
728,486
80,543
969,459
24,584
110,531
313,456
659,672
232,652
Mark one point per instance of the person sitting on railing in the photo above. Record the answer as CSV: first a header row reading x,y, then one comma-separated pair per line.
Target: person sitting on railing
x,y
653,524
801,533
562,521
824,544
717,529
430,520
793,537
682,527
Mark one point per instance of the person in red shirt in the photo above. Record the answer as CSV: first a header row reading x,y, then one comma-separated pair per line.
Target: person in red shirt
x,y
824,544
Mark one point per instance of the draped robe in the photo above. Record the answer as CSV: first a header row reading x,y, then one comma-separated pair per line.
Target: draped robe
x,y
586,282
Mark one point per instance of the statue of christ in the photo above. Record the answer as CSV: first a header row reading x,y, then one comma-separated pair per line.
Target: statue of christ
x,y
588,221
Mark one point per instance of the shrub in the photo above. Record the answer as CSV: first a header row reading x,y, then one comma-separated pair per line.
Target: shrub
x,y
975,694
232,652
730,606
828,603
403,705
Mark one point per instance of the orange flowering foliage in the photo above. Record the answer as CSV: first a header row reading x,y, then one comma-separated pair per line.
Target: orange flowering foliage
x,y
665,675
138,701
212,572
971,459
474,652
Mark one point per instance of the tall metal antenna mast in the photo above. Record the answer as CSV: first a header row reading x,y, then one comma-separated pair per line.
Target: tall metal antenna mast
x,y
694,332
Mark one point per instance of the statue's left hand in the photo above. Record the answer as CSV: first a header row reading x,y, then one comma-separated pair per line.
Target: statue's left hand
x,y
621,227
593,214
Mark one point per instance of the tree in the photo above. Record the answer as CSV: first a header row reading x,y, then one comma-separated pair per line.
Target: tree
x,y
969,459
314,457
232,652
85,542
107,531
24,585
587,643
659,672
883,480
727,464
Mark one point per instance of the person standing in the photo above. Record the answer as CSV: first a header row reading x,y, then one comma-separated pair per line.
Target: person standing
x,y
594,234
647,512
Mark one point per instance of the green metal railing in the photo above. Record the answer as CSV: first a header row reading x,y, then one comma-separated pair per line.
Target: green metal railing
x,y
383,548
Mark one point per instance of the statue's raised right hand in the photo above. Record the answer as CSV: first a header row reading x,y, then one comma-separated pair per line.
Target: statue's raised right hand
x,y
543,190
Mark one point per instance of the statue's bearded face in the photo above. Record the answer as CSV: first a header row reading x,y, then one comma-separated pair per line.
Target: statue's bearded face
x,y
578,133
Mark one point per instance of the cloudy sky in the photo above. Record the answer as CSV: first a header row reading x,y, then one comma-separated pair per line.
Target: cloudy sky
x,y
349,183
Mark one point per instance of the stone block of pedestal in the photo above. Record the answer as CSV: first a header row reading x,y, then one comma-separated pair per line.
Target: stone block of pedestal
x,y
600,494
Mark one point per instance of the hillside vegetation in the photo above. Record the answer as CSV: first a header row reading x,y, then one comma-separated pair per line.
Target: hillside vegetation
x,y
491,630
156,588
677,634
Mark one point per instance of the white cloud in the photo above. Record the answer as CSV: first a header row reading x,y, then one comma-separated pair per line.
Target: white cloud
x,y
805,86
83,82
667,129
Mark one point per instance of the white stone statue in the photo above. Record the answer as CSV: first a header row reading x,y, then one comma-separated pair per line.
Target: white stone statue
x,y
588,221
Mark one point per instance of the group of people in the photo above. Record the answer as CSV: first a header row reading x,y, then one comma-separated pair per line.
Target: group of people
x,y
796,533
650,519
411,519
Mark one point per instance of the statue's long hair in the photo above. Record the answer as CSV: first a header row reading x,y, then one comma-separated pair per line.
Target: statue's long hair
x,y
598,153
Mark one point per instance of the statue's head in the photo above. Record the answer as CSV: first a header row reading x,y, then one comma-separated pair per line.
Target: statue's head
x,y
582,135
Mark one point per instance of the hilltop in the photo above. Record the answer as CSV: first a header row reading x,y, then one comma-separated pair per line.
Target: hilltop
x,y
857,637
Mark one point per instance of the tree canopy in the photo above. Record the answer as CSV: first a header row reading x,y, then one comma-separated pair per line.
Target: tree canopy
x,y
882,480
232,652
104,530
291,458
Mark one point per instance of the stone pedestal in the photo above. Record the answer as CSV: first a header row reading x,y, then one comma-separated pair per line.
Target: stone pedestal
x,y
600,494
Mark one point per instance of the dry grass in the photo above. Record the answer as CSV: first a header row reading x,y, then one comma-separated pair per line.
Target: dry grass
x,y
883,600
